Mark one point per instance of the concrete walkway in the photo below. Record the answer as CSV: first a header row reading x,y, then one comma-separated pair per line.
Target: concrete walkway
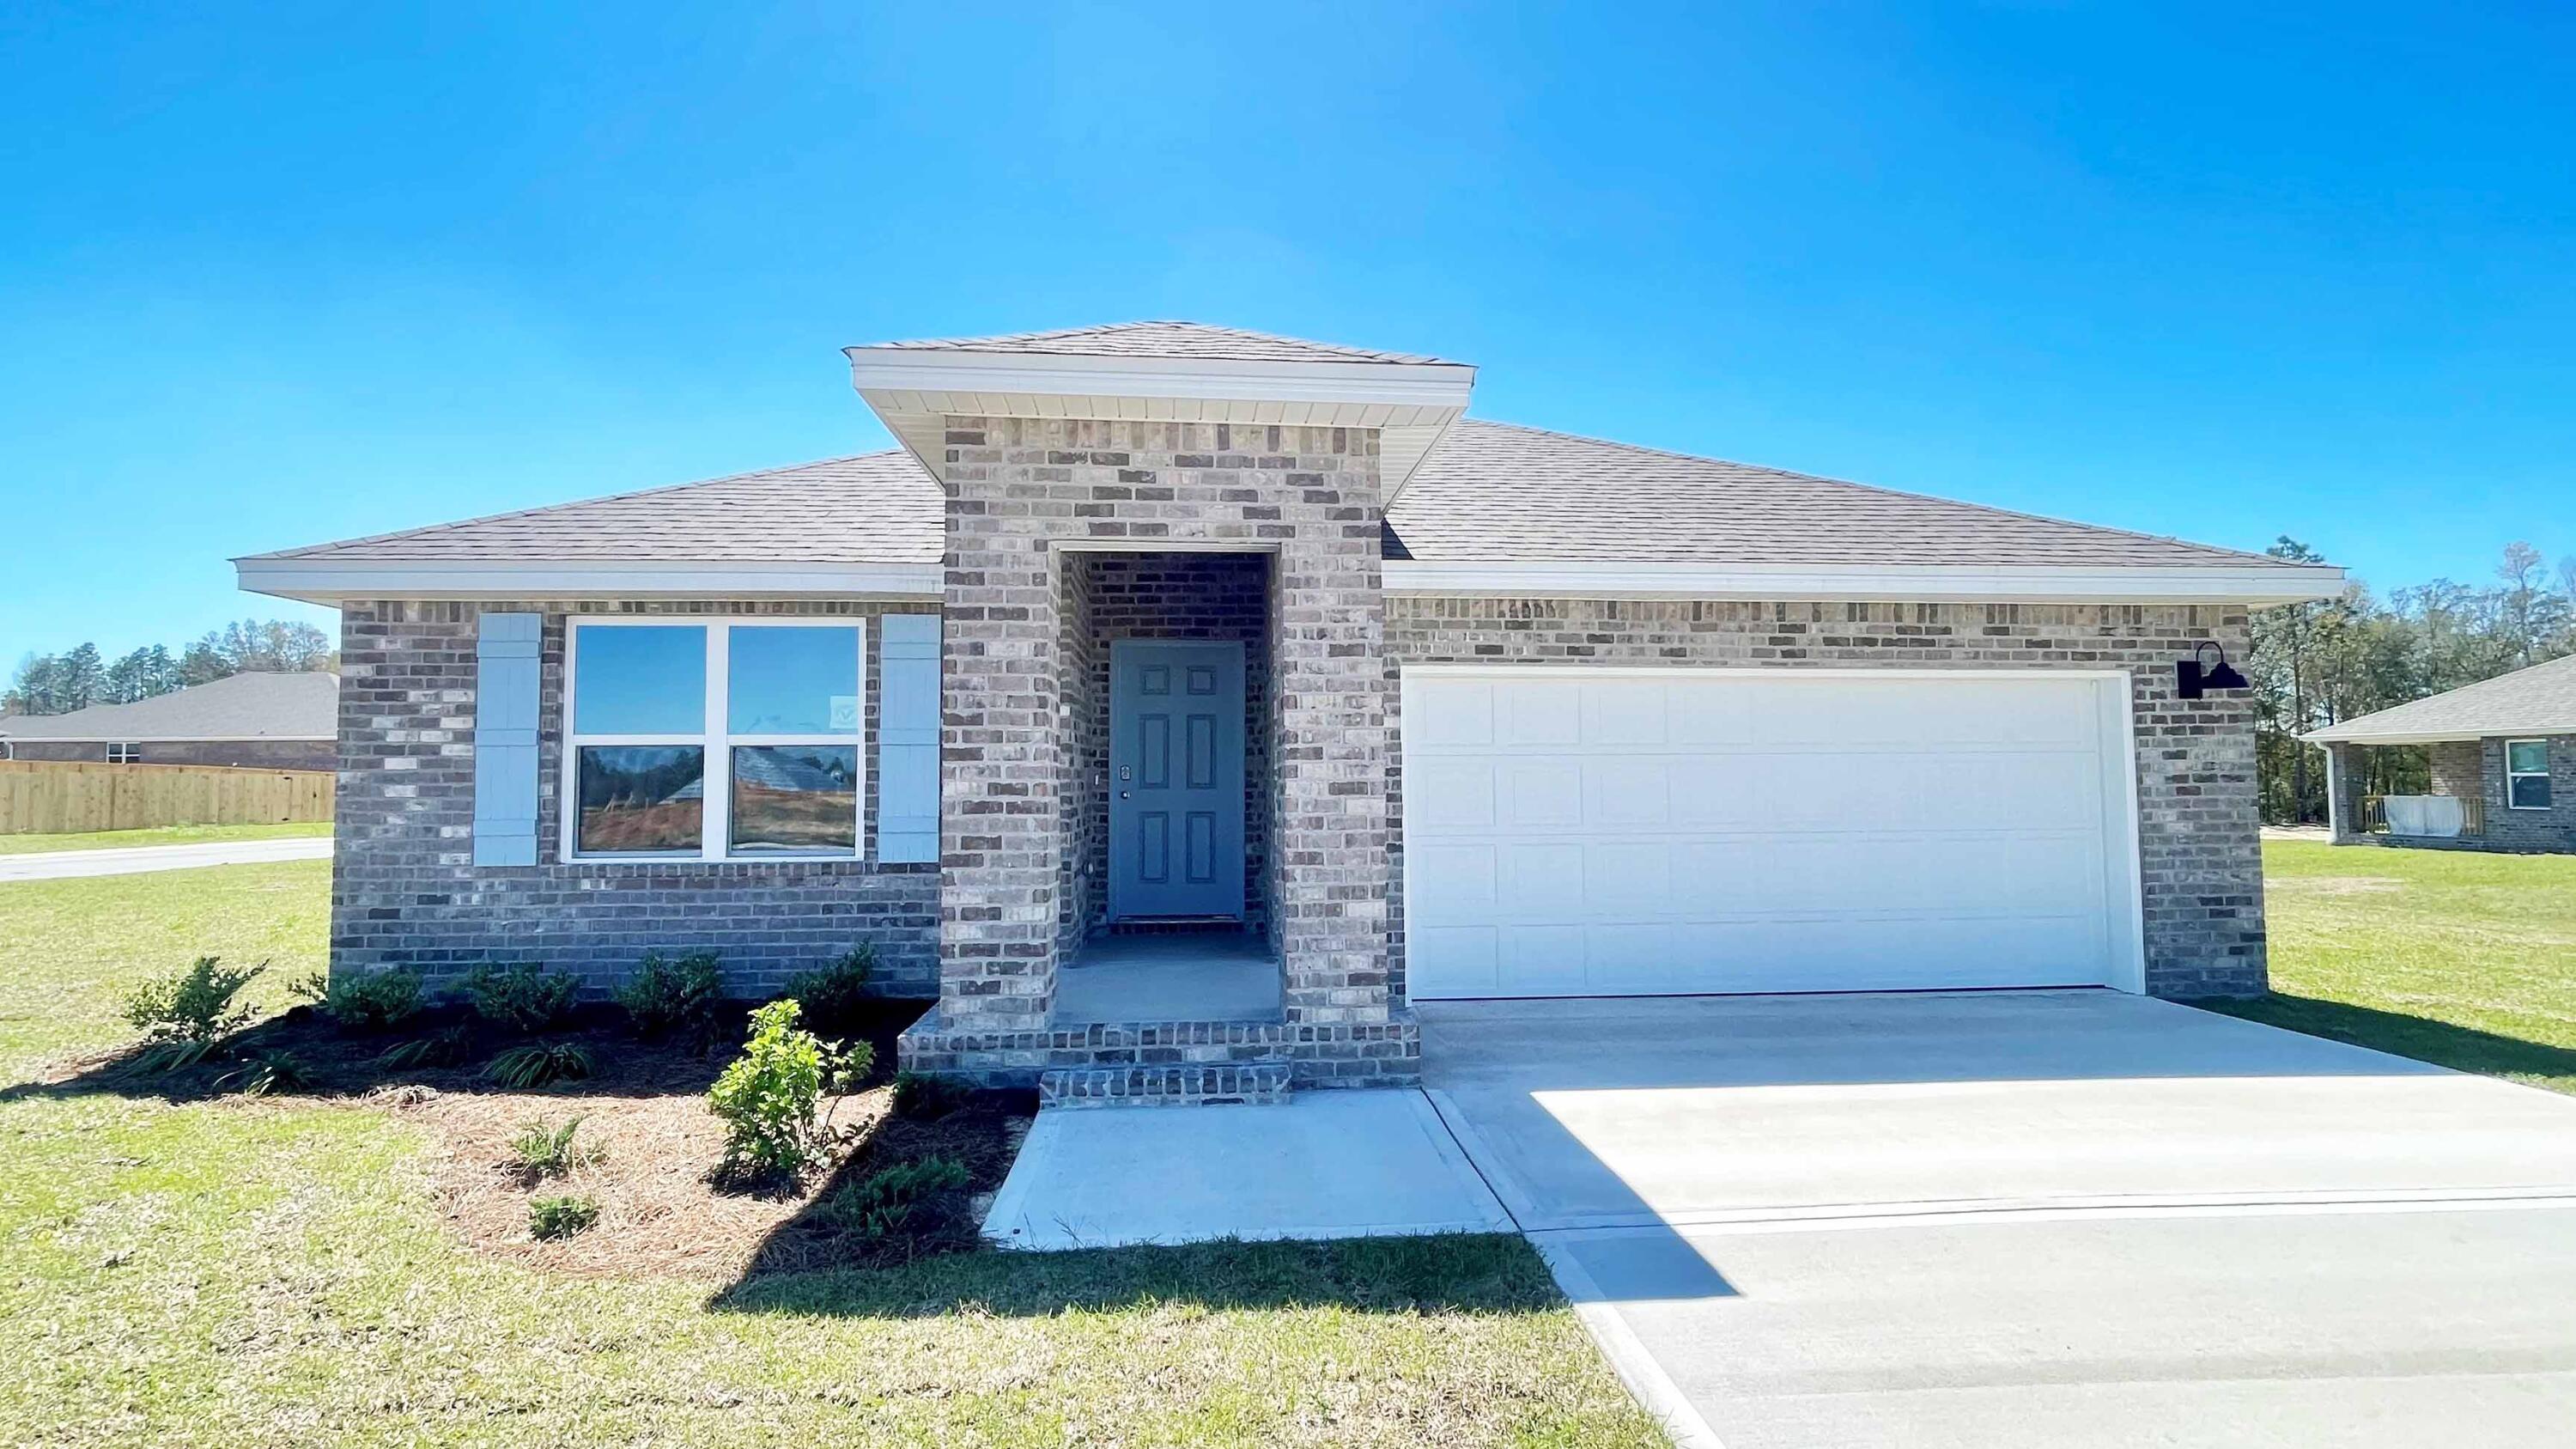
x,y
2042,1218
63,864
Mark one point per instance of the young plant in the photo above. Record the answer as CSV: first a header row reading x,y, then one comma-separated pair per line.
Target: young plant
x,y
446,1047
539,1064
550,1218
541,1151
372,1001
882,1204
926,1099
193,1008
262,1073
680,996
835,997
767,1096
524,998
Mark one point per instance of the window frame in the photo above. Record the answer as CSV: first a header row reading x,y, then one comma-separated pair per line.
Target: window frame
x,y
2542,775
131,750
715,740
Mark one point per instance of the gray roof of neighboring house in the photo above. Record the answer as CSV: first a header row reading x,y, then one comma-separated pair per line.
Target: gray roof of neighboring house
x,y
1494,492
872,508
1488,492
270,706
1187,340
2540,700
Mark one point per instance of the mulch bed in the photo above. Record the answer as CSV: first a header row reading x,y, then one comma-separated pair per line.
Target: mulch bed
x,y
644,1109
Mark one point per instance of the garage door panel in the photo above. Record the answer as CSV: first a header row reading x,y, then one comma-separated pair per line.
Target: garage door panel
x,y
1706,831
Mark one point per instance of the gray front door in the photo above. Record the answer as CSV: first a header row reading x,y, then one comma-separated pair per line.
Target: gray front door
x,y
1175,778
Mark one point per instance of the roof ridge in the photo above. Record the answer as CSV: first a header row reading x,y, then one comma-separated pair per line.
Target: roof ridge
x,y
309,550
1885,491
1029,338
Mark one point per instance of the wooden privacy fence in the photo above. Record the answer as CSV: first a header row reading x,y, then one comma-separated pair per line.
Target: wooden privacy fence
x,y
50,796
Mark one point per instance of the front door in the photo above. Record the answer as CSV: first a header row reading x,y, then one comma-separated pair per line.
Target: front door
x,y
1175,779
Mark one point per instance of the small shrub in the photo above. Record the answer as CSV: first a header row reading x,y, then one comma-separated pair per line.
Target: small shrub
x,y
550,1218
668,997
881,1205
264,1072
835,998
539,1063
542,1151
926,1099
446,1047
196,1005
373,1001
176,1055
766,1097
524,998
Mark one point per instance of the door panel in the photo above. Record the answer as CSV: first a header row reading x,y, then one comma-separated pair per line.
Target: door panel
x,y
1175,779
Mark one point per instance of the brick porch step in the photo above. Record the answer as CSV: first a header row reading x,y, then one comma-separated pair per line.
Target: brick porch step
x,y
1176,1085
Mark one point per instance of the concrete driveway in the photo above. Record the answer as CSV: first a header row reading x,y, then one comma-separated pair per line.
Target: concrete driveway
x,y
134,860
2042,1218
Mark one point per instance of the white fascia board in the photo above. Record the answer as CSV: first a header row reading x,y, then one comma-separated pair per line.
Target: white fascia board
x,y
2253,585
2336,735
331,581
1421,384
19,739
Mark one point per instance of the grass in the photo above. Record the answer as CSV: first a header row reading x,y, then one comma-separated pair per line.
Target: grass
x,y
2453,957
159,835
279,1270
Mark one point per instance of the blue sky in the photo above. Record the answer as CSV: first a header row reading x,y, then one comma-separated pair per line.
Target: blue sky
x,y
272,275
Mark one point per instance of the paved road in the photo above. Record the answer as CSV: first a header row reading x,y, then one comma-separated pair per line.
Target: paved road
x,y
2034,1218
61,864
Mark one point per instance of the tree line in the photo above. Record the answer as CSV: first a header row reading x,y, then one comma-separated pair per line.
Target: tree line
x,y
2320,663
80,676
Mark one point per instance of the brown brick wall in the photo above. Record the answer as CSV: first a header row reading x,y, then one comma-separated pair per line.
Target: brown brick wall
x,y
405,890
2200,857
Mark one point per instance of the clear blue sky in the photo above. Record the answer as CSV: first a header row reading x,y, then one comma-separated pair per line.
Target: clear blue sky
x,y
273,274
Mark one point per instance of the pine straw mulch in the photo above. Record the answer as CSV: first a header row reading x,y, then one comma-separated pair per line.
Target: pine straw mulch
x,y
644,1115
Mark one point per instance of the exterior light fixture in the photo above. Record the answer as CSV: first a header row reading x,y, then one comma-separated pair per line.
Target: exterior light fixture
x,y
2192,680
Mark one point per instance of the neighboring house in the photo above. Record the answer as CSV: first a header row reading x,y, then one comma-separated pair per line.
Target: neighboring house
x,y
2501,754
1183,693
272,721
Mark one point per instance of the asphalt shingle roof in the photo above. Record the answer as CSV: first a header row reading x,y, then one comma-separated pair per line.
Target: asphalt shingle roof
x,y
1488,492
2540,700
273,706
1158,339
1494,492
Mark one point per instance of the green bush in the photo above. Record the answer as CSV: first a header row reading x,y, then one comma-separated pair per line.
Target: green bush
x,y
667,997
540,1063
835,998
523,998
194,1007
446,1047
372,1001
926,1099
767,1096
542,1151
264,1072
560,1217
881,1205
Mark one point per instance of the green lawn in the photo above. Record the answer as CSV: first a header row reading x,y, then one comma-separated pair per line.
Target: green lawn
x,y
2463,959
161,835
278,1272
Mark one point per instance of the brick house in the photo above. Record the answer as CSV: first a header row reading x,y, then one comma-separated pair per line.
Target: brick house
x,y
1177,693
258,720
2500,756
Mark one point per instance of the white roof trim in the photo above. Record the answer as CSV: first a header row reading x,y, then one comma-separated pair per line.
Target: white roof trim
x,y
334,580
2335,735
2252,584
7,734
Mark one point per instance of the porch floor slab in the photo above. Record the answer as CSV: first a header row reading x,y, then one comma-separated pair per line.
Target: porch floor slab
x,y
1214,976
1327,1165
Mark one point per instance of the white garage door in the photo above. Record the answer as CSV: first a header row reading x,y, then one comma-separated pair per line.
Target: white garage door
x,y
1573,832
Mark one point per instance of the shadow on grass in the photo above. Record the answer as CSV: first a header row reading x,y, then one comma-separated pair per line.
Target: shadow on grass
x,y
1470,1273
2423,1038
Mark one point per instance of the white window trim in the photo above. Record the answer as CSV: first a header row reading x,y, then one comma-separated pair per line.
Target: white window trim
x,y
715,823
2511,774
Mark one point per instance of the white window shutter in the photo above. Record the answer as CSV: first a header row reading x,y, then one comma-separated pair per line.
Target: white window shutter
x,y
505,739
908,741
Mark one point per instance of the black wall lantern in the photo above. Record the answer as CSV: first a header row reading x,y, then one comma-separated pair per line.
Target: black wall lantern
x,y
2191,680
